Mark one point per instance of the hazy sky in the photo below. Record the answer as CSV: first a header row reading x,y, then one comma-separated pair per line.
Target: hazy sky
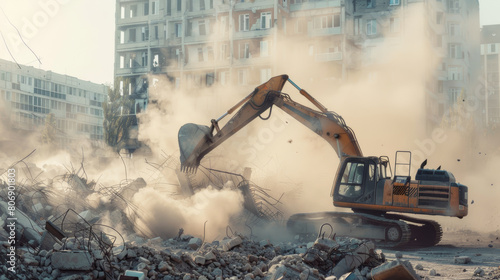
x,y
76,37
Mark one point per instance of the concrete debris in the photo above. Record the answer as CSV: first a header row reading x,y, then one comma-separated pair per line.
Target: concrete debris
x,y
228,244
395,270
72,260
195,243
462,260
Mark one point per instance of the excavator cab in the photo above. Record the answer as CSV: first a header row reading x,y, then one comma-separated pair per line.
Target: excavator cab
x,y
357,179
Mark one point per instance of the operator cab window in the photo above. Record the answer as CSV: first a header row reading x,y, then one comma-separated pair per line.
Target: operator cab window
x,y
351,184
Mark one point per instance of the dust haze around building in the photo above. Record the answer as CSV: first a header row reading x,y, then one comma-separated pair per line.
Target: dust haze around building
x,y
384,103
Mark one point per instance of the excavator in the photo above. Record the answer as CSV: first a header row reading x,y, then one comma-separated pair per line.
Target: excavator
x,y
362,183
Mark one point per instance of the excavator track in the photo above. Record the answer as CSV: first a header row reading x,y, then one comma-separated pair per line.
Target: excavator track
x,y
388,230
425,233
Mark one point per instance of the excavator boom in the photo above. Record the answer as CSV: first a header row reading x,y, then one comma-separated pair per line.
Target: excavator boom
x,y
195,141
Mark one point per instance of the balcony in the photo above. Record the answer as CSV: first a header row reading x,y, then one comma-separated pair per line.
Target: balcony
x,y
132,46
252,34
326,31
133,21
131,71
324,57
316,5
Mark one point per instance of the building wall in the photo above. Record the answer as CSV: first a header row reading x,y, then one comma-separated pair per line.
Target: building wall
x,y
30,94
226,42
490,49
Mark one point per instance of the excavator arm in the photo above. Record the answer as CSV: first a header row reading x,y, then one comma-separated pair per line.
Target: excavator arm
x,y
195,141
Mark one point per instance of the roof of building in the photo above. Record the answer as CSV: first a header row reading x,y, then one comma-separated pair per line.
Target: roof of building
x,y
490,34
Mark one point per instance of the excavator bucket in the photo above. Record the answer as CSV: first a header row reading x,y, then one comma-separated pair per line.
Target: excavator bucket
x,y
191,138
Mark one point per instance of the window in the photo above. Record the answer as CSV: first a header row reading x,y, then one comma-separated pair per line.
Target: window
x,y
352,178
453,6
440,87
371,27
145,33
394,23
439,41
144,59
122,61
223,25
264,48
223,52
244,50
357,25
122,37
439,17
169,7
369,3
211,4
455,73
222,78
133,11
189,27
131,35
242,77
202,28
178,30
190,5
200,55
265,20
209,78
336,20
157,32
301,26
265,75
179,5
454,29
323,22
122,12
244,22
154,9
146,9
393,2
493,48
210,52
454,94
455,51
202,5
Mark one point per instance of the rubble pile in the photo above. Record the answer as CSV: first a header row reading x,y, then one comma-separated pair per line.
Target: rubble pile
x,y
187,257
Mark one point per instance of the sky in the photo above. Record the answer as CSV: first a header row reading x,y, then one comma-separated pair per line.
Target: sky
x,y
76,37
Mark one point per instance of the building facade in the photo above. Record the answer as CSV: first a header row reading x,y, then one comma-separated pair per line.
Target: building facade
x,y
30,95
198,43
490,45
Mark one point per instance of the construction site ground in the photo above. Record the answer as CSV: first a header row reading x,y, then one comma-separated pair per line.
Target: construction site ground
x,y
438,262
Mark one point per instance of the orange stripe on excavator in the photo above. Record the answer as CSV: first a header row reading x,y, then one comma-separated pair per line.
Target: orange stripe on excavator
x,y
388,208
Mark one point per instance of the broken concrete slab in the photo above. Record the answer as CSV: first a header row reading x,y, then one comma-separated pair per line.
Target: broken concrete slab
x,y
228,244
395,270
351,261
462,260
195,243
72,260
24,225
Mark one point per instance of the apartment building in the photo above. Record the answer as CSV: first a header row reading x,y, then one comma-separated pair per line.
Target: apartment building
x,y
29,94
450,26
198,43
490,45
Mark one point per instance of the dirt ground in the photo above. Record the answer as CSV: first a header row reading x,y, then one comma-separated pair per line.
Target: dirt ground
x,y
482,248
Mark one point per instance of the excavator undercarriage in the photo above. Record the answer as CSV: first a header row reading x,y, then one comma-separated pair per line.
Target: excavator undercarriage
x,y
387,230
